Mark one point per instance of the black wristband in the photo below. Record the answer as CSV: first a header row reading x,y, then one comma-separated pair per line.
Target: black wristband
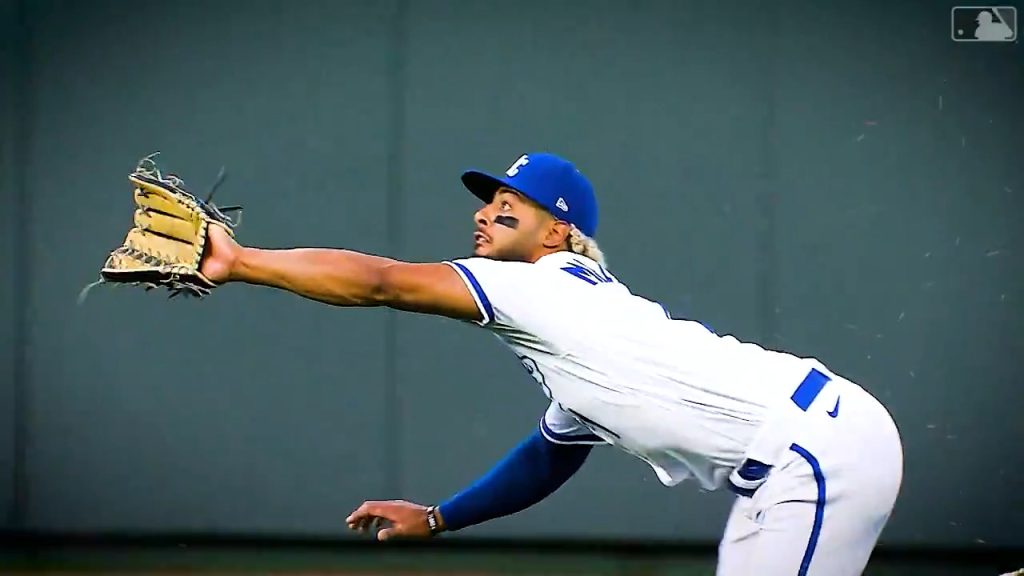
x,y
435,527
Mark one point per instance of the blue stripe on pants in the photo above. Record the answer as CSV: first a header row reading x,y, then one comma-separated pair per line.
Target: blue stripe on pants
x,y
819,507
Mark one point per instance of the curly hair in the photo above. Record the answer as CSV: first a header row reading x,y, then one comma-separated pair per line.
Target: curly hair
x,y
582,244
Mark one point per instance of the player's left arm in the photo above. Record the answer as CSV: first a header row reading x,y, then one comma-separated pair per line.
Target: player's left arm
x,y
349,278
528,474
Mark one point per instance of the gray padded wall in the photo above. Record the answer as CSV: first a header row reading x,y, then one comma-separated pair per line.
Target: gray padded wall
x,y
11,100
838,181
900,243
274,428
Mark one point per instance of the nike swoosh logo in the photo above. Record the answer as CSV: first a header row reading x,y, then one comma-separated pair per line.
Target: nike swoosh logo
x,y
835,411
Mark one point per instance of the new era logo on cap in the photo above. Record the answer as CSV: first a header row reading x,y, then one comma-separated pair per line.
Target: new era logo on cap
x,y
561,204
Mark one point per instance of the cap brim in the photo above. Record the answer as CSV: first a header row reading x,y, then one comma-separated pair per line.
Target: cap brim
x,y
483,185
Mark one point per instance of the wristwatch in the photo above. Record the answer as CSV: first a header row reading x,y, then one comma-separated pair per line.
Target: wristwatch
x,y
435,526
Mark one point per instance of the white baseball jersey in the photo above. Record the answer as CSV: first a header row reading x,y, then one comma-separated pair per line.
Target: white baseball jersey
x,y
619,370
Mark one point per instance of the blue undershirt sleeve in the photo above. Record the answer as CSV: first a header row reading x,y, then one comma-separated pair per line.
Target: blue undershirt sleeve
x,y
532,471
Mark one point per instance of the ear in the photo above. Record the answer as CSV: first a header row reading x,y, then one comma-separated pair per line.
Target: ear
x,y
557,234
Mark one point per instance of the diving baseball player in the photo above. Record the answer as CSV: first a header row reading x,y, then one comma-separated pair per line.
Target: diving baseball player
x,y
815,461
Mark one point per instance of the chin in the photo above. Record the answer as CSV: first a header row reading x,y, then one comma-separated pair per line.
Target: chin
x,y
483,251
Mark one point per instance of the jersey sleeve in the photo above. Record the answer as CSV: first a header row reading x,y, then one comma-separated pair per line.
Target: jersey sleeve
x,y
501,289
560,427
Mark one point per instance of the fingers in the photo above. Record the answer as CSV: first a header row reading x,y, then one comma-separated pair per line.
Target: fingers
x,y
370,515
369,523
366,510
402,519
361,524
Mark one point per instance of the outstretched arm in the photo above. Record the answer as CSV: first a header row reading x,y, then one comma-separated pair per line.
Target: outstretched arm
x,y
342,277
528,474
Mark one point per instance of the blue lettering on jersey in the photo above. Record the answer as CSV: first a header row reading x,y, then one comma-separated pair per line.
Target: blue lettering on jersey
x,y
588,274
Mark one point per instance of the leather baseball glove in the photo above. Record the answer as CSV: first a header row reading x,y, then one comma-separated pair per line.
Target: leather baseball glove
x,y
165,246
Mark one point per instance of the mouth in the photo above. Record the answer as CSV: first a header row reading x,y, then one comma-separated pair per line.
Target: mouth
x,y
480,238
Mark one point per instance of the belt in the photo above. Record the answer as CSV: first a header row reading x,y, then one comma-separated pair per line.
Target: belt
x,y
809,389
751,474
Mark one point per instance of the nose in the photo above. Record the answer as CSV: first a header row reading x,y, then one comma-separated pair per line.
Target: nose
x,y
481,217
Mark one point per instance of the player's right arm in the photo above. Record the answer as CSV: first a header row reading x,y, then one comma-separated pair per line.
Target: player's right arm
x,y
344,277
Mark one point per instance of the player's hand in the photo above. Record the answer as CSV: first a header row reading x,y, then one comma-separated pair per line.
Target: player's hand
x,y
406,519
219,256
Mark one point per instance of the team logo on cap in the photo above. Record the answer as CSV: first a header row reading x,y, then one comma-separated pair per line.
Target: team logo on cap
x,y
514,168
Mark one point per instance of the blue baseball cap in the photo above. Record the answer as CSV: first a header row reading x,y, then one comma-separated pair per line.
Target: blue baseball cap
x,y
550,181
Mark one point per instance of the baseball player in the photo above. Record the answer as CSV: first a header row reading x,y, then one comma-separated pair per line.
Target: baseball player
x,y
815,461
